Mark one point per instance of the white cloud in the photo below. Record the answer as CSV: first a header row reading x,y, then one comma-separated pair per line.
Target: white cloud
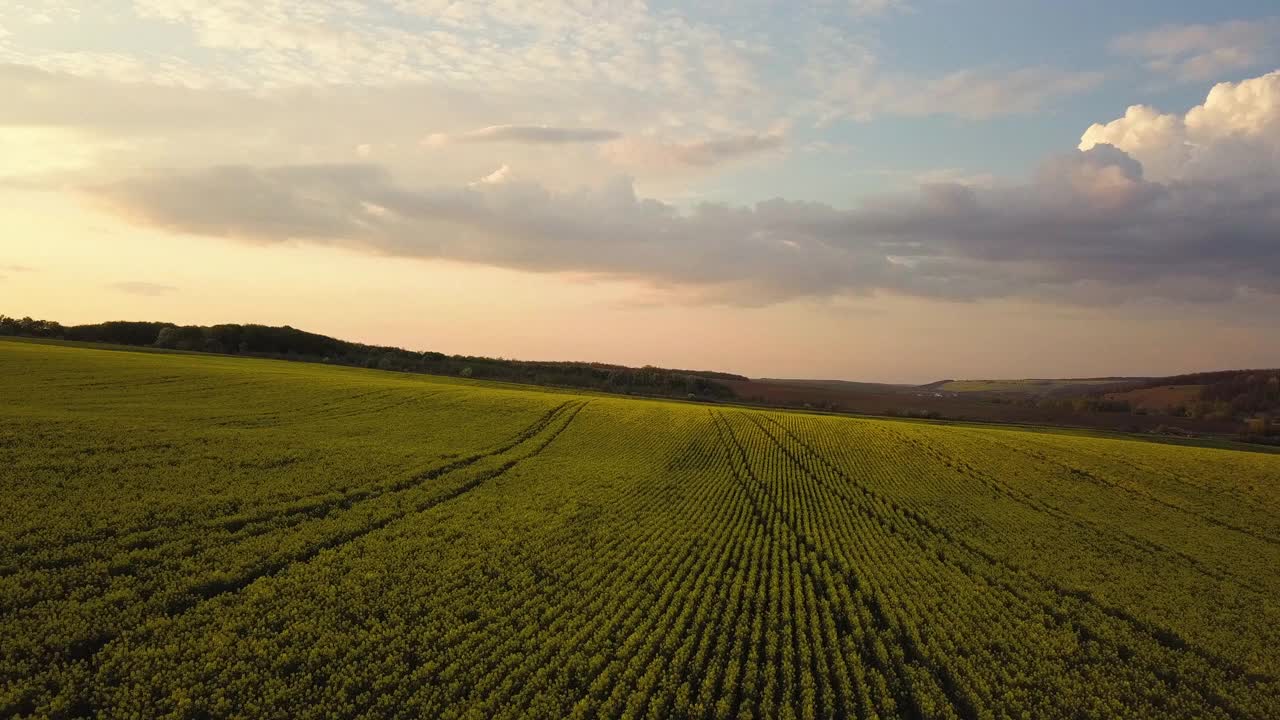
x,y
172,126
501,175
287,94
556,47
1158,140
529,134
625,65
646,153
1235,132
1250,108
1196,53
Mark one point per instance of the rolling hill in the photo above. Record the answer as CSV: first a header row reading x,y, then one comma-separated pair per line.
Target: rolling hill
x,y
1220,405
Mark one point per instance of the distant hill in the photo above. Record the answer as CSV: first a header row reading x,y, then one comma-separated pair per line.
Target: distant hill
x,y
841,385
1220,393
1216,402
1033,386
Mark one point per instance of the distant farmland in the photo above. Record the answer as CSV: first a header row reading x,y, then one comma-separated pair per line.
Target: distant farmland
x,y
1026,386
1159,398
210,536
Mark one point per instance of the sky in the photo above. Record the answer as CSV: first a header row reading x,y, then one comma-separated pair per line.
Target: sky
x,y
880,190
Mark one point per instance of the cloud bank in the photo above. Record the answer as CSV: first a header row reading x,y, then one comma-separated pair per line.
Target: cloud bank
x,y
1183,206
650,154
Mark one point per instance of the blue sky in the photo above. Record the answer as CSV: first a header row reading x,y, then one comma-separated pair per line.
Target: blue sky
x,y
1027,163
937,37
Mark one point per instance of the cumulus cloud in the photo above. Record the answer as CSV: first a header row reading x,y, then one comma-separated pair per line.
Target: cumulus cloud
x,y
651,154
1234,133
1196,53
528,134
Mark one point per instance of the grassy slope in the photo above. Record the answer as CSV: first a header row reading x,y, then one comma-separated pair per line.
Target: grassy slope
x,y
199,532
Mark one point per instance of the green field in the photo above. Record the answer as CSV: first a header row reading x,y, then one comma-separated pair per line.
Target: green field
x,y
204,536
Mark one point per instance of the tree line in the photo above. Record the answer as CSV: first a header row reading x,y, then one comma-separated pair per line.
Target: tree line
x,y
288,343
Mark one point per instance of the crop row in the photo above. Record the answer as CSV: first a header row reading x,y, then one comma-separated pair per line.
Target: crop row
x,y
545,555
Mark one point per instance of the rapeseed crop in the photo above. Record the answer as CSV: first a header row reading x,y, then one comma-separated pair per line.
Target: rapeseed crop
x,y
193,536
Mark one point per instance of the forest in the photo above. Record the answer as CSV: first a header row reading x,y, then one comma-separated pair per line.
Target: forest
x,y
288,343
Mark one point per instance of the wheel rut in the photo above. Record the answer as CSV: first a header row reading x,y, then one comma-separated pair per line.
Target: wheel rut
x,y
299,510
537,437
